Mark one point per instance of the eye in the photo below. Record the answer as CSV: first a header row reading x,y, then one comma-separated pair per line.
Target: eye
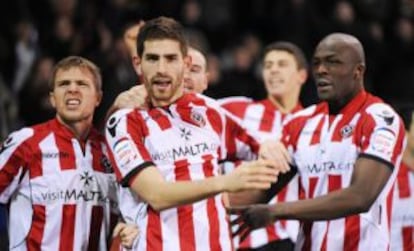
x,y
172,58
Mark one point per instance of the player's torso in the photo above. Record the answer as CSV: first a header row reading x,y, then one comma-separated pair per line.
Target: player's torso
x,y
185,145
66,194
184,142
326,153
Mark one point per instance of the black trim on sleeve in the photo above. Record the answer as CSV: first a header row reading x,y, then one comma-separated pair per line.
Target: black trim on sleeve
x,y
125,181
282,181
373,157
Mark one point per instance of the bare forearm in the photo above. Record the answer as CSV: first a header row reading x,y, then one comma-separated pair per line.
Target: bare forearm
x,y
247,197
172,194
334,205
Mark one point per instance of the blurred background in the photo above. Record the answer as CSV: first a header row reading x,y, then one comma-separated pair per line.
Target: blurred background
x,y
36,34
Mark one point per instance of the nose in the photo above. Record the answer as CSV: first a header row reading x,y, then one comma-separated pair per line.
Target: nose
x,y
319,68
73,87
162,66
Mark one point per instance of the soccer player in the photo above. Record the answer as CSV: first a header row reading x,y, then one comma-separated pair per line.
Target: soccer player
x,y
284,72
55,175
168,154
347,151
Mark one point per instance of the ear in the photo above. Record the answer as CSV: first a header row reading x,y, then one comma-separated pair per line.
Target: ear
x,y
302,76
136,62
187,61
98,98
359,71
52,99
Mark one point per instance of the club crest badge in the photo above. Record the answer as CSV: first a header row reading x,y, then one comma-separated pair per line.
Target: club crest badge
x,y
198,119
347,131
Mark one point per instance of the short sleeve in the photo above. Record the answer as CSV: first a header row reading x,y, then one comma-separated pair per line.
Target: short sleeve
x,y
13,159
125,139
382,134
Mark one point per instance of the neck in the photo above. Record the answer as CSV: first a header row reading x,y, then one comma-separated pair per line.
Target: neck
x,y
335,106
285,104
80,129
166,102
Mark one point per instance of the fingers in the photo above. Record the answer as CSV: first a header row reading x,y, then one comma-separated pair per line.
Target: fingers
x,y
244,232
276,152
118,228
128,235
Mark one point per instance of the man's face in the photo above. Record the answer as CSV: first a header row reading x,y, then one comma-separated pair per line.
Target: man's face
x,y
75,95
281,74
196,77
163,66
334,69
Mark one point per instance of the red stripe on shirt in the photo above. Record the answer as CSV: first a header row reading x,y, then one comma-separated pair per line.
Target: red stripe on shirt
x,y
403,182
96,149
161,119
95,228
35,236
185,213
214,234
66,152
36,163
266,123
307,226
67,231
408,241
334,183
316,136
154,233
352,232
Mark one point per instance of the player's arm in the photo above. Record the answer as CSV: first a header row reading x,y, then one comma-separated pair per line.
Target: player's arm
x,y
13,155
150,185
262,196
368,180
135,97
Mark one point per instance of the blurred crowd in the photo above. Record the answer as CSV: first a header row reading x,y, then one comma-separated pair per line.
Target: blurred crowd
x,y
35,34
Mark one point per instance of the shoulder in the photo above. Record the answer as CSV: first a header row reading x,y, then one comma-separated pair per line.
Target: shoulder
x,y
381,113
304,113
235,105
17,139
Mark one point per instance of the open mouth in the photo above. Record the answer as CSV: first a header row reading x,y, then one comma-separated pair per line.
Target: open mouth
x,y
162,84
73,103
323,84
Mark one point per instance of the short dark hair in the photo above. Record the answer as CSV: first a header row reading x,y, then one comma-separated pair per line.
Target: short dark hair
x,y
290,48
161,28
77,62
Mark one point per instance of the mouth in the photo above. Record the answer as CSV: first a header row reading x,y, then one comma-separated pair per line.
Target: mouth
x,y
162,83
276,81
323,84
73,103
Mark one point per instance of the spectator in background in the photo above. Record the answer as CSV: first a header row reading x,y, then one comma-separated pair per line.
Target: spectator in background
x,y
25,50
34,99
8,110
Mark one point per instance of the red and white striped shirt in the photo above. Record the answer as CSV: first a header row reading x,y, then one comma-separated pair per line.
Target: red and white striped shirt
x,y
265,120
402,221
184,141
61,197
325,148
